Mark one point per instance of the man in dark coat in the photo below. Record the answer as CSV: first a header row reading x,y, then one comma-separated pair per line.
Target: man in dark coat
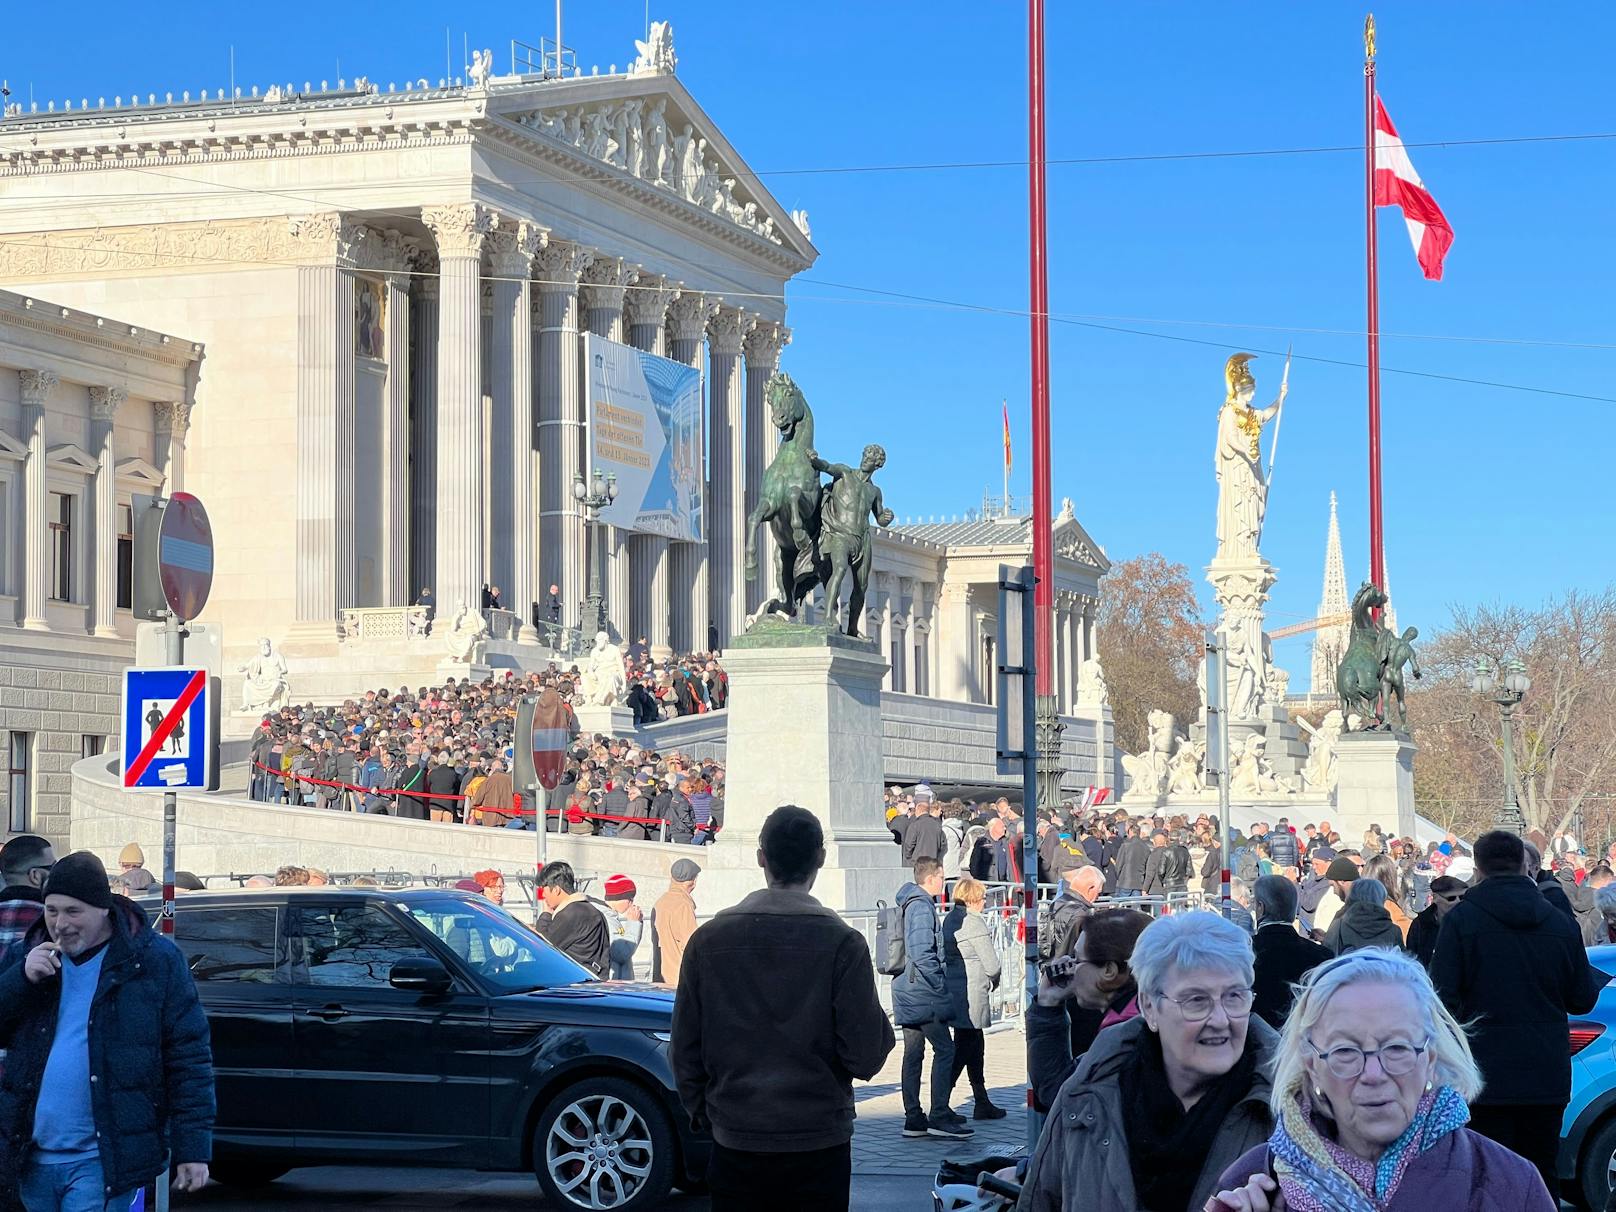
x,y
1514,965
1167,871
924,836
1133,856
1546,883
1281,956
109,1076
922,1005
1282,847
1446,892
642,703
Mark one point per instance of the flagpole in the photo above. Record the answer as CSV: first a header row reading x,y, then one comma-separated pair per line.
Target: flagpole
x,y
1377,549
1004,406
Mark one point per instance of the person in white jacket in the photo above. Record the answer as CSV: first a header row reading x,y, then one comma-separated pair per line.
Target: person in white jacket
x,y
624,926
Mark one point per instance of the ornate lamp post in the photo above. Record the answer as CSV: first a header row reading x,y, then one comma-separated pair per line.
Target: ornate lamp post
x,y
599,492
1506,686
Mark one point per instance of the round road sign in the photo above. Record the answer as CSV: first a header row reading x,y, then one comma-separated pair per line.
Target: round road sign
x,y
185,555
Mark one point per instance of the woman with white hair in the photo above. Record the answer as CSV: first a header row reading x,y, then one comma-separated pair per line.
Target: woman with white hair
x,y
1363,921
1605,902
1162,1104
1370,1098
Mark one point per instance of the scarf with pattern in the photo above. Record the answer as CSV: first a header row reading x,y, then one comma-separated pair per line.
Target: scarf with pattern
x,y
1318,1175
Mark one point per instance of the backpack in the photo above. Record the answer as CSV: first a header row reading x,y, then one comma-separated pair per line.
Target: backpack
x,y
891,953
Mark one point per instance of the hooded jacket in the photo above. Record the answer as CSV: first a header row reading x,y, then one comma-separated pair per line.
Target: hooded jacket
x,y
151,1063
1514,964
1361,924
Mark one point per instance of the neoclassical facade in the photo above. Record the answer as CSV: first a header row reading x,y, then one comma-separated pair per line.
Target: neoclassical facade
x,y
393,287
93,412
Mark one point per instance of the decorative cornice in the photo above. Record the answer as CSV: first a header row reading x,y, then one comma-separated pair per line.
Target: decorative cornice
x,y
170,246
647,302
603,283
726,330
173,417
105,402
558,266
513,245
37,384
459,228
687,315
764,343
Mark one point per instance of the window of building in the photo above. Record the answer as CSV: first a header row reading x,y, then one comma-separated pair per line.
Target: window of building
x,y
922,661
20,785
895,655
237,944
61,527
126,557
91,744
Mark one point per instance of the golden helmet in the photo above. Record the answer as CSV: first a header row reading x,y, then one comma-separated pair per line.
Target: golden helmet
x,y
1237,375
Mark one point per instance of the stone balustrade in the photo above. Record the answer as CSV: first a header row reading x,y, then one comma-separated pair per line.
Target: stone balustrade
x,y
383,624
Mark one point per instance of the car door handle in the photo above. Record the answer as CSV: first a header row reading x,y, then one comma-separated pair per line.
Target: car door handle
x,y
327,1014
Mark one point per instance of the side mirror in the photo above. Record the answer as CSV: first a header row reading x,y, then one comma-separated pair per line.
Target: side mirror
x,y
420,975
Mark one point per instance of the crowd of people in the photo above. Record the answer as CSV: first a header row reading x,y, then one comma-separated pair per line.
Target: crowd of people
x,y
445,753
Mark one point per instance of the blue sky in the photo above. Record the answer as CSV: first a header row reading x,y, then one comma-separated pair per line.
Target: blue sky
x,y
1490,492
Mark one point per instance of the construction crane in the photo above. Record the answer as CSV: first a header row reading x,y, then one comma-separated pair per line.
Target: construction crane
x,y
1326,620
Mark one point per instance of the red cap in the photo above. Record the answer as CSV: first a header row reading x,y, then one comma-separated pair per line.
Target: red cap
x,y
619,888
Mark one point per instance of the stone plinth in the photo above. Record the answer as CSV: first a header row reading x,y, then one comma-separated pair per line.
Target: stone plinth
x,y
461,670
1376,783
608,721
805,728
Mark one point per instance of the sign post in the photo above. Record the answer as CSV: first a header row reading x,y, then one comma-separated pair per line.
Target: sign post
x,y
542,719
1217,752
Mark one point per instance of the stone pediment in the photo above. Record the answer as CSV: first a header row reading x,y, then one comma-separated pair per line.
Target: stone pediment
x,y
652,131
68,457
11,448
1072,542
138,471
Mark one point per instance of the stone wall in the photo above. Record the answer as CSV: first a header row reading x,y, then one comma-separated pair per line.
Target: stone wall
x,y
58,698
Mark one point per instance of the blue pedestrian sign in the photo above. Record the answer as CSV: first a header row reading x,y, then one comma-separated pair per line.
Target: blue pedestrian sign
x,y
167,720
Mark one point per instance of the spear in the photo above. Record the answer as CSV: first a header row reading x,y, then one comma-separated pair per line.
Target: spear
x,y
1284,383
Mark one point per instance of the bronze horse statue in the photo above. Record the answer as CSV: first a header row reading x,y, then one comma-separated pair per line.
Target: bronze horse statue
x,y
1358,677
789,502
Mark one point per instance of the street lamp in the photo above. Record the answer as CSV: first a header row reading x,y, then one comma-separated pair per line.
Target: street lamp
x,y
1507,686
599,492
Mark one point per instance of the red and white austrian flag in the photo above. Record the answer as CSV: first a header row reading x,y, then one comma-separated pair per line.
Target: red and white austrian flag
x,y
1397,184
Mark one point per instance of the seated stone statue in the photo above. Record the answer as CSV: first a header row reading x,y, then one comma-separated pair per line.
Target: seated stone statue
x,y
465,636
265,687
604,680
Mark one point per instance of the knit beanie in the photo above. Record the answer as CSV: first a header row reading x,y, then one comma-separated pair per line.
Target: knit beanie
x,y
620,888
132,854
81,876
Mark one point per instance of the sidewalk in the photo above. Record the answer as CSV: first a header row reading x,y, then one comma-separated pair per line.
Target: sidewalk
x,y
879,1146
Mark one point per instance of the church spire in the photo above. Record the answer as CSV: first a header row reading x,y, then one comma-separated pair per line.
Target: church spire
x,y
1330,641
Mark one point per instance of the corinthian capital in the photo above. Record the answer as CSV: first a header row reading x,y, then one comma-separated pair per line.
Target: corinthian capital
x,y
174,417
558,266
727,329
459,228
648,299
105,402
513,245
687,315
603,283
37,384
764,343
325,238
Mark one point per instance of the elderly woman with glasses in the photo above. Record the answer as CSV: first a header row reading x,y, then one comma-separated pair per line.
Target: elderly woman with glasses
x,y
1370,1100
1162,1104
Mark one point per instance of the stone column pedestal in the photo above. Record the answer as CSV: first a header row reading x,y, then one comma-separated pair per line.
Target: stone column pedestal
x,y
1376,783
608,721
805,728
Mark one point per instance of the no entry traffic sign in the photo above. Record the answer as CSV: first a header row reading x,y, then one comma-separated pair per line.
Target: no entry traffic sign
x,y
185,555
167,729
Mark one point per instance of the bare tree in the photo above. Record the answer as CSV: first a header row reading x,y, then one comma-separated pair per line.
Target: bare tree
x,y
1564,730
1150,641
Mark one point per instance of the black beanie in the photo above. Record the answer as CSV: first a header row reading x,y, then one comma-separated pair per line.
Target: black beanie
x,y
81,876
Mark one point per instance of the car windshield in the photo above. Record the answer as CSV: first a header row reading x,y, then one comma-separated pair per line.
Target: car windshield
x,y
494,945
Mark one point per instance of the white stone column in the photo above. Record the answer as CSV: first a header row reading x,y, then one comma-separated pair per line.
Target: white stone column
x,y
955,641
171,422
394,570
647,309
687,321
604,284
763,345
423,402
726,495
104,405
515,244
459,230
326,568
36,386
561,420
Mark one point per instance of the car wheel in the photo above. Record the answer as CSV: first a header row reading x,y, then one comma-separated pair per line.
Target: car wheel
x,y
246,1174
604,1143
1596,1177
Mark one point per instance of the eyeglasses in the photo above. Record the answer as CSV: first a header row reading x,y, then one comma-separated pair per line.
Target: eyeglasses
x,y
1396,1059
1448,898
1197,1007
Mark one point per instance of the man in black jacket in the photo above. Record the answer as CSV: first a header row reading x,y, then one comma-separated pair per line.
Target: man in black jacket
x,y
1168,869
1546,883
924,836
1133,856
1446,892
765,1050
1282,847
1514,965
1282,956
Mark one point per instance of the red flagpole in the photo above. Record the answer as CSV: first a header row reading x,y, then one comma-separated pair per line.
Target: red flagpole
x,y
1377,549
1043,539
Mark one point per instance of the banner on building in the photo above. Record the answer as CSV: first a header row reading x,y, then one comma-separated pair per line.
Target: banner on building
x,y
645,425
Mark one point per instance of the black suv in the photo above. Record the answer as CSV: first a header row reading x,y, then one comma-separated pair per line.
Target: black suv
x,y
429,1027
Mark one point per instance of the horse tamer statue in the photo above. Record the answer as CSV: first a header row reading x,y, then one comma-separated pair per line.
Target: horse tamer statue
x,y
1370,677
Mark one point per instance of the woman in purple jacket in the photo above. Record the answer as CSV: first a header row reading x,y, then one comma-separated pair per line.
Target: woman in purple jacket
x,y
1371,1093
1370,1098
